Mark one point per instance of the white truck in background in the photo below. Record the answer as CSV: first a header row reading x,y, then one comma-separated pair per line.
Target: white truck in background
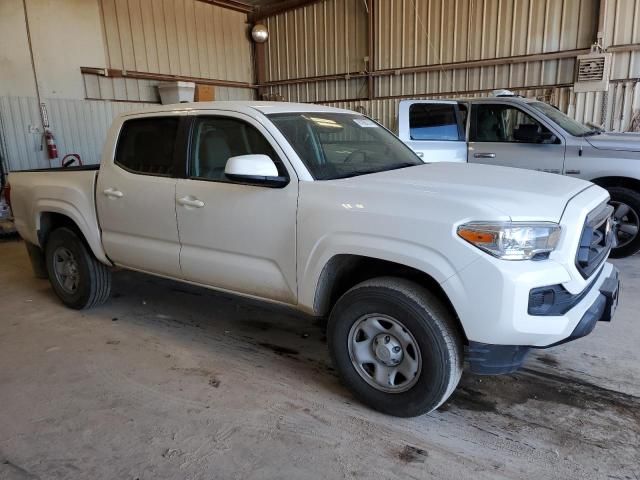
x,y
513,131
419,267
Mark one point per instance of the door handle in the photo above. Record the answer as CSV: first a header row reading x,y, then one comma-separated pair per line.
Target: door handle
x,y
113,193
190,202
484,155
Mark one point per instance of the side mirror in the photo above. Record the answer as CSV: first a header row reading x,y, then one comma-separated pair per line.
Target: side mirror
x,y
254,170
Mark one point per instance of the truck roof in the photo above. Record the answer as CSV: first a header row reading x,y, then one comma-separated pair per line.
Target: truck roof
x,y
246,106
505,98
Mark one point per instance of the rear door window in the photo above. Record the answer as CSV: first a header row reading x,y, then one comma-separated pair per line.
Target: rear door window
x,y
146,146
434,121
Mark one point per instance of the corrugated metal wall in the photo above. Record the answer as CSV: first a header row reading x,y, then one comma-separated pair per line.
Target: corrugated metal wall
x,y
176,37
415,33
324,38
426,32
622,28
80,127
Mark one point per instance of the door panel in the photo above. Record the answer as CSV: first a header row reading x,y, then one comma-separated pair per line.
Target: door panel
x,y
236,237
434,129
135,198
500,134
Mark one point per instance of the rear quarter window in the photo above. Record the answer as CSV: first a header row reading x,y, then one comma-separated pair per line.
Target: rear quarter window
x,y
432,121
146,145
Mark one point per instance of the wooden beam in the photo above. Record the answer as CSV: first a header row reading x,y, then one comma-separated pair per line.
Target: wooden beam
x,y
231,5
319,78
535,57
162,77
260,13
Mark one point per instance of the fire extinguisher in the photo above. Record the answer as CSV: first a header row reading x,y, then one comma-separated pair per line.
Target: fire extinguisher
x,y
52,149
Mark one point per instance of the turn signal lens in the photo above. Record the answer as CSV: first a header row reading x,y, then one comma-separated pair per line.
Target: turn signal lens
x,y
474,236
512,240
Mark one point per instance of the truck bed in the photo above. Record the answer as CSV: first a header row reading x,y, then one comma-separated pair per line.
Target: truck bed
x,y
79,168
37,194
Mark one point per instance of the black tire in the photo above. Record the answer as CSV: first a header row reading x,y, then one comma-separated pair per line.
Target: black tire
x,y
632,199
94,278
427,320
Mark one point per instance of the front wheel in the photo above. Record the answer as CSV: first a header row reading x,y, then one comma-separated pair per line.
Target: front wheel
x,y
78,279
395,346
626,221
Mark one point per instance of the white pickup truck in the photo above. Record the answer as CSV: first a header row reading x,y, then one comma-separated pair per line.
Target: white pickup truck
x,y
418,266
513,131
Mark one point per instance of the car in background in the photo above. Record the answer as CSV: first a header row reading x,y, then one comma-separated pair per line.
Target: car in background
x,y
513,131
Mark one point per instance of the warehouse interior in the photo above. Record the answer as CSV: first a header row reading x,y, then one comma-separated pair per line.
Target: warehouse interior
x,y
87,61
173,380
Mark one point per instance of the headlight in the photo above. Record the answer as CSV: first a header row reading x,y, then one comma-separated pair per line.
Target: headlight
x,y
512,240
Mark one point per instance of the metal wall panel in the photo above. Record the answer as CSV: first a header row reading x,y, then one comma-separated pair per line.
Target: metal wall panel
x,y
79,126
20,148
106,88
233,93
321,39
313,41
321,91
622,28
177,37
425,32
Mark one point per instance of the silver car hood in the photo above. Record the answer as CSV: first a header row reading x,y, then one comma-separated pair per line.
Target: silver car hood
x,y
628,142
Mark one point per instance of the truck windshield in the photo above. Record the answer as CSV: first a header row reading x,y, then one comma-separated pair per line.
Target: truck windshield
x,y
565,122
340,145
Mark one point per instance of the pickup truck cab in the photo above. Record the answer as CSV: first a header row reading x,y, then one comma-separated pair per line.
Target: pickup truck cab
x,y
513,131
418,266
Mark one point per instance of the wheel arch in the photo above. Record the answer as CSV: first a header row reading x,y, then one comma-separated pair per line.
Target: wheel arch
x,y
50,217
344,271
618,181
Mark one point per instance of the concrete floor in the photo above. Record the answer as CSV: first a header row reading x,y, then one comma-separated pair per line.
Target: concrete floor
x,y
170,381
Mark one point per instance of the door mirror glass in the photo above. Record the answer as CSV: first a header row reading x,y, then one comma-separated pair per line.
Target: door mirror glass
x,y
254,169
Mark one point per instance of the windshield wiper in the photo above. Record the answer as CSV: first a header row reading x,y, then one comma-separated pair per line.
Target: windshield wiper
x,y
366,172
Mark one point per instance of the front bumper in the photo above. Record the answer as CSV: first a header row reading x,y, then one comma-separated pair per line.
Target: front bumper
x,y
491,359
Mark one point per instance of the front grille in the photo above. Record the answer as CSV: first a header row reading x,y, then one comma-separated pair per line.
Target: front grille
x,y
596,240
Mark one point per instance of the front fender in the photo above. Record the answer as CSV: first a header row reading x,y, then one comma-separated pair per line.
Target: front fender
x,y
402,252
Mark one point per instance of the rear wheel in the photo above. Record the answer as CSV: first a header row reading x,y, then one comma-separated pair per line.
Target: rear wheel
x,y
626,221
78,279
395,346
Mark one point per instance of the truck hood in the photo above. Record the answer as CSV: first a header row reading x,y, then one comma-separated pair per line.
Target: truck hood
x,y
628,142
522,195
